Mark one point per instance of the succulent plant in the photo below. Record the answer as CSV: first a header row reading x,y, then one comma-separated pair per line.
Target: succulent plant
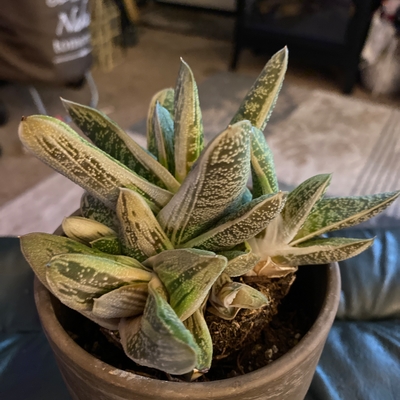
x,y
166,237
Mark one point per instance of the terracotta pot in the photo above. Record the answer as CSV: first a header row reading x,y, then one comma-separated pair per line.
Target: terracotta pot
x,y
287,378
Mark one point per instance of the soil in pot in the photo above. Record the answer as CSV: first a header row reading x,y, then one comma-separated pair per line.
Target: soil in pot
x,y
296,313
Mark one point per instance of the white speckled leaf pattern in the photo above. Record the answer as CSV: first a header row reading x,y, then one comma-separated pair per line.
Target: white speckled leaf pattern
x,y
197,326
165,98
109,137
40,248
58,146
188,275
260,101
109,245
93,208
126,301
321,251
240,226
159,339
335,213
216,182
140,232
76,279
189,140
85,230
163,127
299,204
262,165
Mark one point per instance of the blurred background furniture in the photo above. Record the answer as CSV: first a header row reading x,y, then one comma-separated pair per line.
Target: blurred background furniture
x,y
326,32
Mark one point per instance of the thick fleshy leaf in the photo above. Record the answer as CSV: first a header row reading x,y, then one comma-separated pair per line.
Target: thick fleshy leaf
x,y
299,204
85,230
188,275
241,260
58,146
40,248
197,326
335,213
77,279
217,305
109,245
165,98
159,339
189,139
163,127
260,101
109,137
321,251
214,185
247,196
93,208
141,234
262,165
126,301
242,225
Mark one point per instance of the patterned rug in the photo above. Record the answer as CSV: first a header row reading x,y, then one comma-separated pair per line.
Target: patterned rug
x,y
310,132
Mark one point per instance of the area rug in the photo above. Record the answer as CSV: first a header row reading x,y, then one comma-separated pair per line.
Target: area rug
x,y
311,132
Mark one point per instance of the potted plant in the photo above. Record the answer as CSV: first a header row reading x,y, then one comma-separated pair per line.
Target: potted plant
x,y
178,264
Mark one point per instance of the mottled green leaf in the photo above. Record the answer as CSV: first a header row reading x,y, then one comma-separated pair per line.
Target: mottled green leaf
x,y
77,279
188,123
159,339
335,213
109,245
216,182
242,225
260,101
262,165
299,204
240,260
188,275
321,251
109,137
197,326
163,127
93,208
141,234
126,301
57,145
165,98
85,230
40,248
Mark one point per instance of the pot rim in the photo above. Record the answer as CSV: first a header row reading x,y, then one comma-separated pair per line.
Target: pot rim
x,y
310,341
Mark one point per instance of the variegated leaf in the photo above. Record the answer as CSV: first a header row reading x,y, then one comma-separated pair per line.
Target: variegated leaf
x,y
217,306
141,234
57,145
260,101
240,260
215,184
188,275
165,98
299,204
108,323
126,301
85,230
321,251
335,213
39,248
93,208
77,279
262,165
163,127
109,137
189,139
109,245
197,326
240,226
159,339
